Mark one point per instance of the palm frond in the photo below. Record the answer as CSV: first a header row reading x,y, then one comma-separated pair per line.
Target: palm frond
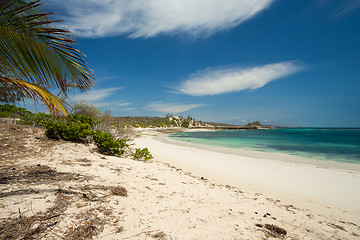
x,y
55,105
33,50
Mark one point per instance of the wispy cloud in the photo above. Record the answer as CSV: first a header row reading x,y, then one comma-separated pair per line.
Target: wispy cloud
x,y
226,80
338,9
128,109
139,18
123,104
346,7
171,107
96,95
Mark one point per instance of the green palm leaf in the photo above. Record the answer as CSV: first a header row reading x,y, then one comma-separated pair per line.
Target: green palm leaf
x,y
33,50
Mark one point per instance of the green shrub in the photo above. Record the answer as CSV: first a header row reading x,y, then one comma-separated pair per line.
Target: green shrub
x,y
37,120
185,123
68,131
85,109
77,118
8,110
141,154
108,145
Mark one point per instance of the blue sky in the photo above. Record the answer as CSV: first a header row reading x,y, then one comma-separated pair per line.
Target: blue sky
x,y
294,63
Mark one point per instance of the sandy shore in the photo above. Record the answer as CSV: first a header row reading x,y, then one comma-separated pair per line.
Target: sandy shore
x,y
62,190
325,186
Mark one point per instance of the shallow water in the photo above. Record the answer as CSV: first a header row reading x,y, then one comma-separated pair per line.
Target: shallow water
x,y
342,145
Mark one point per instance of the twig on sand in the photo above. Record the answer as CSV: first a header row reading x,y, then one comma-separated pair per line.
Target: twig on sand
x,y
19,215
38,230
146,232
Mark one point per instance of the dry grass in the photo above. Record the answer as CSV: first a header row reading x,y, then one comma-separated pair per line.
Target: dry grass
x,y
35,226
118,191
272,230
22,180
84,229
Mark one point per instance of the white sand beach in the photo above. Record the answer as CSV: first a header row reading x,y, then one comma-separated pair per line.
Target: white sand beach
x,y
329,187
64,190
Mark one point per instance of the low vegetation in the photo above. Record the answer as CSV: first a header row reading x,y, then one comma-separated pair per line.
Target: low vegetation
x,y
255,124
77,128
7,110
141,154
158,122
108,145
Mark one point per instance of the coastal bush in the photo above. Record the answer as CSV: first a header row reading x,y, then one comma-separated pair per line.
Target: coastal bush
x,y
77,118
141,154
9,110
108,145
68,131
254,125
185,123
37,120
85,109
76,127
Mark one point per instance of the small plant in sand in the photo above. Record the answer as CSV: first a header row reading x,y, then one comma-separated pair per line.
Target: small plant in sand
x,y
141,154
108,145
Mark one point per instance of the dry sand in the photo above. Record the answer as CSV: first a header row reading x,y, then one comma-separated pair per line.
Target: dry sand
x,y
311,183
62,190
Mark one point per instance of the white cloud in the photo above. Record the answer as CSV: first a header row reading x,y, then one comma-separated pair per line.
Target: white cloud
x,y
139,18
123,104
347,7
340,8
171,107
128,109
226,80
95,95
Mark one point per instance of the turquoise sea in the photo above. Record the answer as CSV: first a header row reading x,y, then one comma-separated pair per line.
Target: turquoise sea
x,y
341,145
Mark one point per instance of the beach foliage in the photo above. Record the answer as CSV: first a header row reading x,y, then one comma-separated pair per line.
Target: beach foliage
x,y
185,123
37,120
74,131
77,118
155,122
8,110
86,109
40,119
76,127
255,124
38,58
141,154
108,145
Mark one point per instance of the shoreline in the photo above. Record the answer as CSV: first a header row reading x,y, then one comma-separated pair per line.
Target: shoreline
x,y
276,156
330,187
57,188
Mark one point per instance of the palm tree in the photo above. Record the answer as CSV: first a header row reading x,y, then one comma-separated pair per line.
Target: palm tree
x,y
35,56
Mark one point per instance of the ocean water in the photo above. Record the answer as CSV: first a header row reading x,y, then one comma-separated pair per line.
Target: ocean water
x,y
341,145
